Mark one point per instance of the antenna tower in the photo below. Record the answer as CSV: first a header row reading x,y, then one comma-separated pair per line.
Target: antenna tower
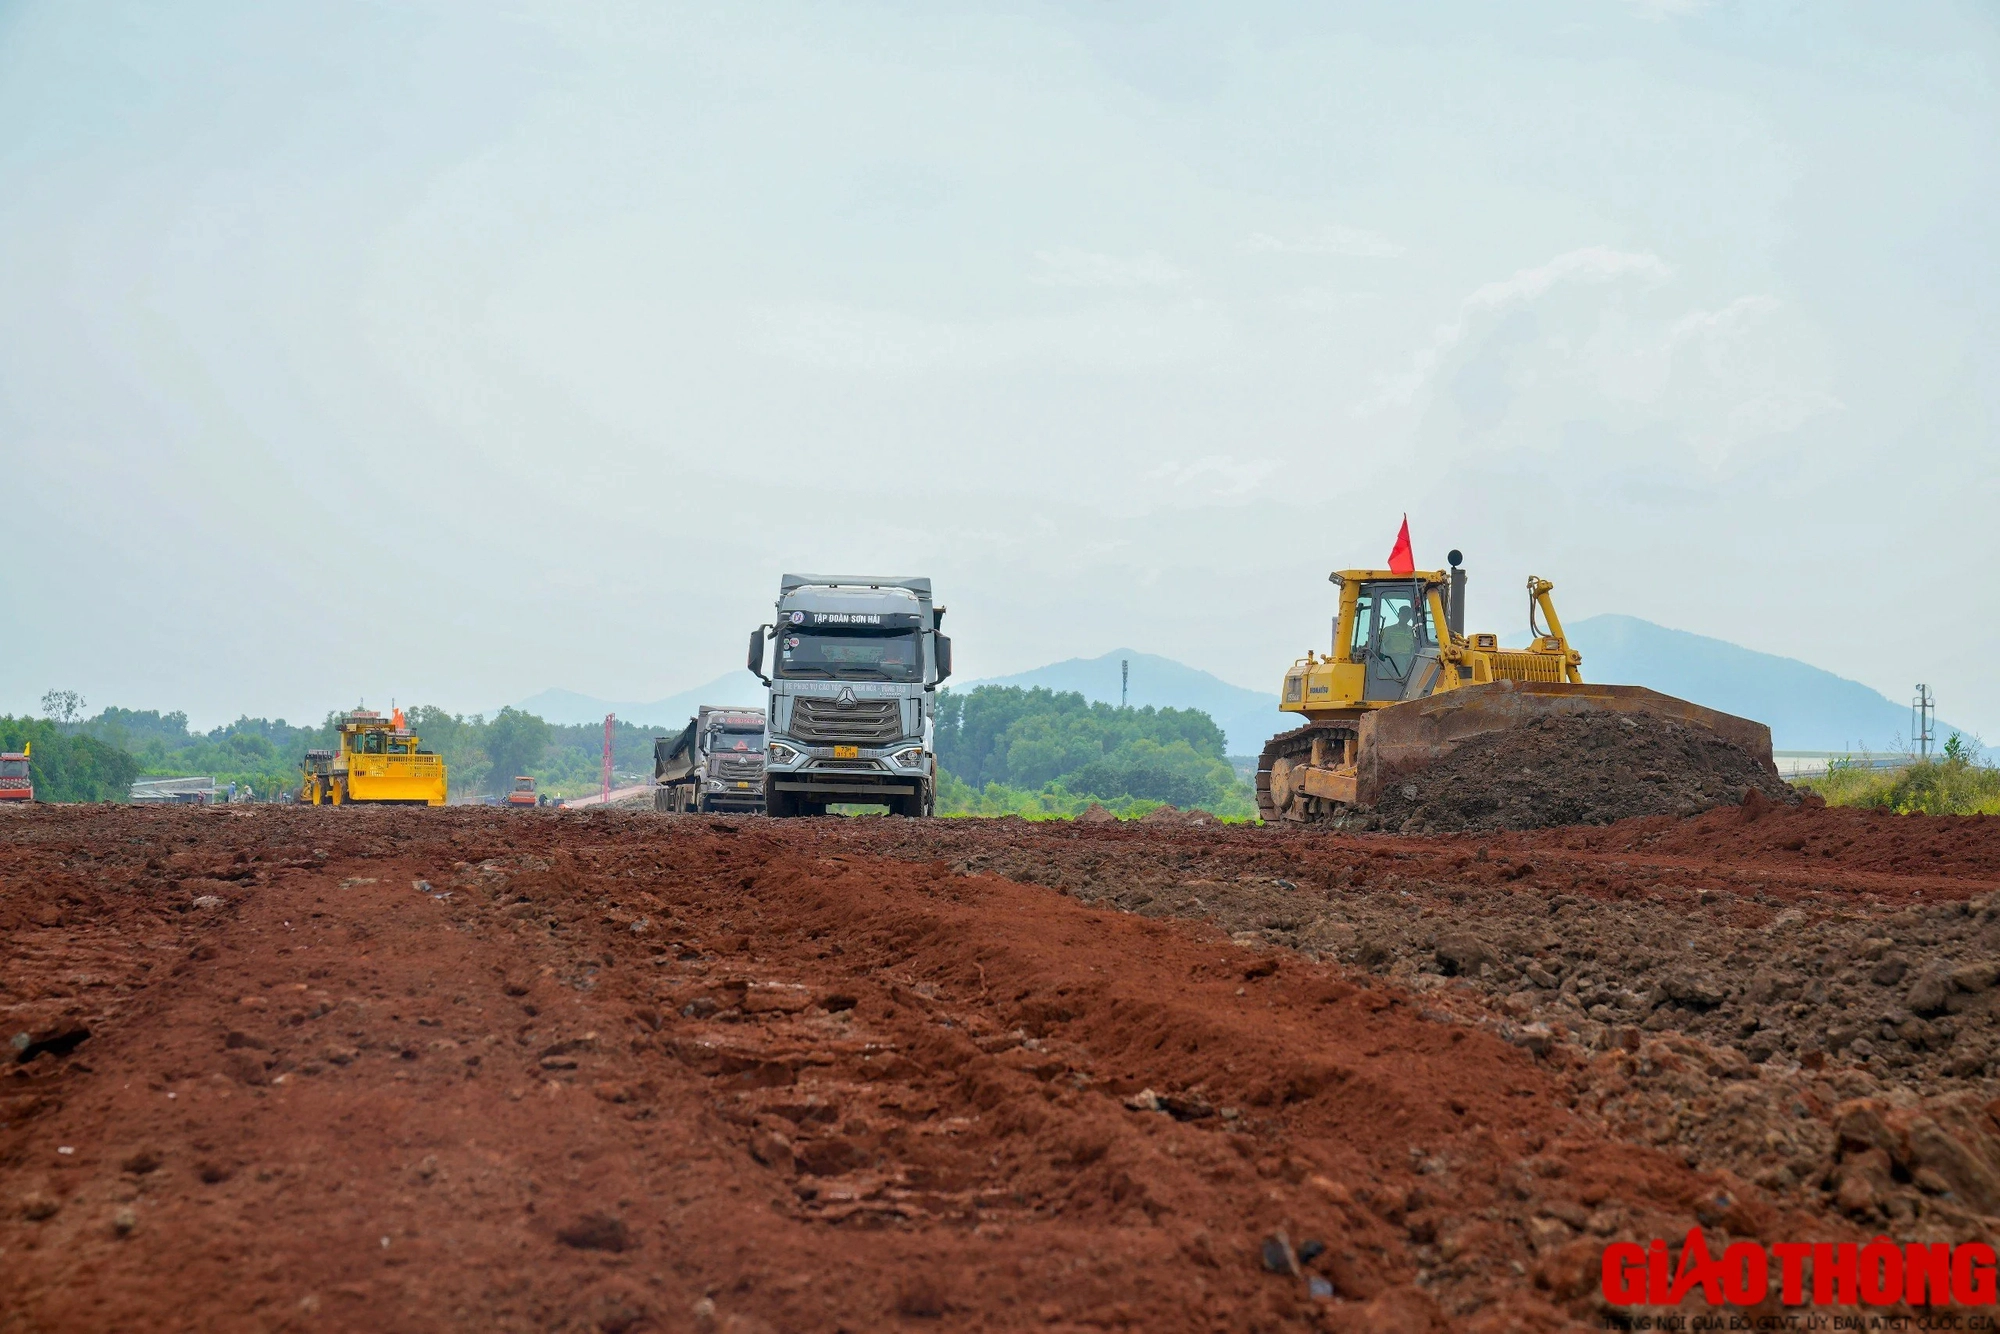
x,y
1923,713
1124,680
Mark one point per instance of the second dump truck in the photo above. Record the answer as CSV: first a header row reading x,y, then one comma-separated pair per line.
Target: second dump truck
x,y
716,763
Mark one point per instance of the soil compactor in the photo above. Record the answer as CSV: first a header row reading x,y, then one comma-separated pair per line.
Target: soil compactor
x,y
1404,686
380,762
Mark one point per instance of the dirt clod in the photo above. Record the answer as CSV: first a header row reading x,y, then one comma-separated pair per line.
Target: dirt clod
x,y
596,1232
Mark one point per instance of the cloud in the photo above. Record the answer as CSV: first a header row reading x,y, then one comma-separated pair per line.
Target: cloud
x,y
1113,336
1349,241
1589,346
1660,10
1217,476
1070,267
1593,264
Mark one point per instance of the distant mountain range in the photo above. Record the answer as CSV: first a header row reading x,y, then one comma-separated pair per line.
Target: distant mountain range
x,y
1806,707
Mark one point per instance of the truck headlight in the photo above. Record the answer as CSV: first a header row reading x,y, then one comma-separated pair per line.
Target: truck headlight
x,y
913,758
780,753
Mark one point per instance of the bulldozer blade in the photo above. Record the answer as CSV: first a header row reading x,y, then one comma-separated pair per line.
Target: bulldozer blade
x,y
1403,740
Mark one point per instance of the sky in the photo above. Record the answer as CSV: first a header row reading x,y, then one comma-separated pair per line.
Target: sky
x,y
447,351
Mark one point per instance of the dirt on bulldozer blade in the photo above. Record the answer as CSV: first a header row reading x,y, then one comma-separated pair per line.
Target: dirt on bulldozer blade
x,y
283,1068
1581,769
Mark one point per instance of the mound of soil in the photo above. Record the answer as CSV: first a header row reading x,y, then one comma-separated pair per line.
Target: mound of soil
x,y
1592,769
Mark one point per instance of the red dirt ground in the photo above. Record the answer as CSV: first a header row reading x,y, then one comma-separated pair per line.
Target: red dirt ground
x,y
470,1069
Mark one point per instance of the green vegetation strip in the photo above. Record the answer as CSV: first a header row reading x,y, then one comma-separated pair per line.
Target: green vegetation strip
x,y
1952,784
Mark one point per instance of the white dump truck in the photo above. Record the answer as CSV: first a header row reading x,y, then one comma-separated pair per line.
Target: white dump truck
x,y
857,662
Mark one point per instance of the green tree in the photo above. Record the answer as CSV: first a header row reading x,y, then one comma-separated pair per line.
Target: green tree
x,y
515,743
1003,739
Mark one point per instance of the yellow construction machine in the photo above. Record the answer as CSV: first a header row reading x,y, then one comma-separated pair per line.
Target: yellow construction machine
x,y
380,763
1403,685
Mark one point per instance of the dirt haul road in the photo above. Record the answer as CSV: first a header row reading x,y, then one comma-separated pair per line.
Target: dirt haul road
x,y
344,1069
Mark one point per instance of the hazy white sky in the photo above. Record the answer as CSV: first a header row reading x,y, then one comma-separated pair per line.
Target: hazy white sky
x,y
451,351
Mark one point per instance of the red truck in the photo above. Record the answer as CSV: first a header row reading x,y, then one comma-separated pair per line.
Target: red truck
x,y
15,784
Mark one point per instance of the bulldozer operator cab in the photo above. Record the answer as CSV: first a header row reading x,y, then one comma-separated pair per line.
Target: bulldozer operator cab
x,y
1390,634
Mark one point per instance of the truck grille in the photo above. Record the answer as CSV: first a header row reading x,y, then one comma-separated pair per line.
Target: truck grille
x,y
735,770
864,722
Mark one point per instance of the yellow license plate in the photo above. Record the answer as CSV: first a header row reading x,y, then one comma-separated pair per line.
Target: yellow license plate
x,y
847,752
744,786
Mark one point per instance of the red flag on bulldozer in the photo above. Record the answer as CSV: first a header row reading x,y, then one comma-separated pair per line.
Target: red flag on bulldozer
x,y
1401,559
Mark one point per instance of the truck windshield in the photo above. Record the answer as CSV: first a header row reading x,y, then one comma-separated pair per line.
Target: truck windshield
x,y
853,655
735,742
13,768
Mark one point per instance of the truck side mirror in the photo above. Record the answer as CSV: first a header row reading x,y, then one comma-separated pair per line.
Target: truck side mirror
x,y
757,654
943,646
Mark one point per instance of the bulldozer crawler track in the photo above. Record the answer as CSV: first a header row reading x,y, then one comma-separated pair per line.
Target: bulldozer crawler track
x,y
1296,745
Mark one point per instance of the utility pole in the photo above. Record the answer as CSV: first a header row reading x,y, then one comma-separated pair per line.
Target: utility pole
x,y
1923,710
1124,680
609,718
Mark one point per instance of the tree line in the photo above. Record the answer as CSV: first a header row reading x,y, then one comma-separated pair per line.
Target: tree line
x,y
1000,749
1009,748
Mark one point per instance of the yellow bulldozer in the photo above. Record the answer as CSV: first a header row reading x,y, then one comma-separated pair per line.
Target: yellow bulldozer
x,y
1402,686
380,762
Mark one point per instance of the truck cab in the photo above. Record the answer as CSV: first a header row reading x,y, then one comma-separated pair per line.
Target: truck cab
x,y
855,661
716,763
16,783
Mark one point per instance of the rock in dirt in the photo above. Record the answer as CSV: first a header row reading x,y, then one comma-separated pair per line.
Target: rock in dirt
x,y
1460,953
1586,769
596,1232
1145,1100
1278,1256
